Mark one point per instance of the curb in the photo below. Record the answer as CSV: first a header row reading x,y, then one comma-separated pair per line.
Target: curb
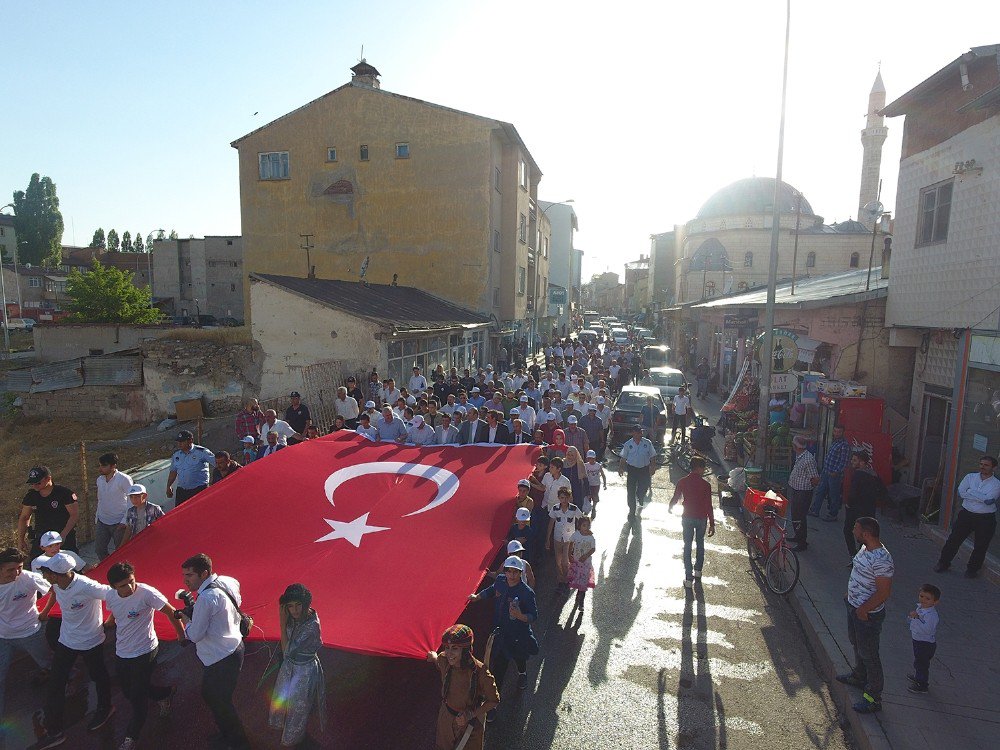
x,y
866,730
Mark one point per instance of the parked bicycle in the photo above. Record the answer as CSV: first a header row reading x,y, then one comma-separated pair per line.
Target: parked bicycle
x,y
767,544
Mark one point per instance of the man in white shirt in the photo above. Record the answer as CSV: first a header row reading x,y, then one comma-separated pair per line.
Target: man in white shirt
x,y
112,502
526,414
419,433
552,482
450,406
214,628
678,415
366,428
19,625
979,491
603,411
347,407
279,426
390,394
81,635
418,383
132,606
563,385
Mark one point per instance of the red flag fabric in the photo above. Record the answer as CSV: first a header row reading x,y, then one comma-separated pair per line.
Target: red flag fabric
x,y
389,539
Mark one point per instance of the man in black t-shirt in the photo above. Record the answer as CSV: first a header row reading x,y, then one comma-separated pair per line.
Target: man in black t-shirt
x,y
54,508
297,415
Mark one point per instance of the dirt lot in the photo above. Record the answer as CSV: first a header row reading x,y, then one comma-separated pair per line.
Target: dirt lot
x,y
25,443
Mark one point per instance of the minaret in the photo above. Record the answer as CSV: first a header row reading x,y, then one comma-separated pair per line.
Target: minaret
x,y
872,138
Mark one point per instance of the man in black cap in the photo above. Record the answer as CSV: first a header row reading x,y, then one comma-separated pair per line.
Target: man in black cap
x,y
54,508
354,392
190,466
297,415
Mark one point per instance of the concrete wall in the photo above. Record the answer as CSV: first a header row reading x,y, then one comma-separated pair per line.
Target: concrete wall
x,y
425,218
294,332
96,402
54,343
201,276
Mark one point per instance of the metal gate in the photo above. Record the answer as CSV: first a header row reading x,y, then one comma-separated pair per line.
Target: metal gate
x,y
319,385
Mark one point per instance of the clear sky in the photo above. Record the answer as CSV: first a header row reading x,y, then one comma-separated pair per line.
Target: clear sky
x,y
638,111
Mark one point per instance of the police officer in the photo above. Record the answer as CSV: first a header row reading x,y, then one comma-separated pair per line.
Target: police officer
x,y
190,466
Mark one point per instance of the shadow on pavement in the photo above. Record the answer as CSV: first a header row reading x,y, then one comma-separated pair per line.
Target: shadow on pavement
x,y
617,600
697,700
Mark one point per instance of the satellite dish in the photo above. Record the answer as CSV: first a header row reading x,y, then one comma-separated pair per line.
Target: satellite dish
x,y
874,209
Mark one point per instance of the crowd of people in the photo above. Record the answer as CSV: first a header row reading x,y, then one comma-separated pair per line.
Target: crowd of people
x,y
563,406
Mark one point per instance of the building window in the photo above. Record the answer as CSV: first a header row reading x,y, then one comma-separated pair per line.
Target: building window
x,y
229,242
34,282
811,260
522,173
364,152
496,240
496,297
402,150
274,165
232,287
522,229
855,260
709,288
522,280
545,247
496,179
748,259
935,212
331,154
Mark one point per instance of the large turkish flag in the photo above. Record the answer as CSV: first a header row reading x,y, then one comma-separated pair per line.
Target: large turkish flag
x,y
389,539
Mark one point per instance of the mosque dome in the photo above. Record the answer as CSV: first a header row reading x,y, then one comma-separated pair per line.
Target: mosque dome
x,y
754,195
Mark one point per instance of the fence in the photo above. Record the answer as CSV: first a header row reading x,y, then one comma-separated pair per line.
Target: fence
x,y
121,368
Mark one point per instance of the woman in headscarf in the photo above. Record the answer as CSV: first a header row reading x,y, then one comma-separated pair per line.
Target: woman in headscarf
x,y
468,690
558,446
573,470
300,688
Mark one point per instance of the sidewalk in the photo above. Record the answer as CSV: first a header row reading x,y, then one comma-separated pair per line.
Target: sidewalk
x,y
960,710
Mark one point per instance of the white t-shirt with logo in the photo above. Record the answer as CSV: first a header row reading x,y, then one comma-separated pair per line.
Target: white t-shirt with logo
x,y
18,608
593,472
82,616
134,620
565,520
78,562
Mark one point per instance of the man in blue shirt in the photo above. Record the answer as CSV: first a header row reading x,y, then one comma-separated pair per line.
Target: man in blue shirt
x,y
391,428
831,481
637,460
190,466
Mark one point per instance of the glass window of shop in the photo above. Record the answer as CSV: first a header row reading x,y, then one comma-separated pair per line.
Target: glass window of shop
x,y
427,352
979,433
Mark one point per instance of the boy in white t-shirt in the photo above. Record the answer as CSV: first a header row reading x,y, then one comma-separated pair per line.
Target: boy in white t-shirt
x,y
562,525
51,544
595,476
132,606
19,625
81,634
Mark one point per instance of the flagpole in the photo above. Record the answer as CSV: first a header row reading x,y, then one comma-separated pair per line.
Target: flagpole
x,y
772,272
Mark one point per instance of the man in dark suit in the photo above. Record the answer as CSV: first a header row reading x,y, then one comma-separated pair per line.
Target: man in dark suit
x,y
519,435
271,446
496,431
473,429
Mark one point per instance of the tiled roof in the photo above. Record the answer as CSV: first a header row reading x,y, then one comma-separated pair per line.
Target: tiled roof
x,y
402,307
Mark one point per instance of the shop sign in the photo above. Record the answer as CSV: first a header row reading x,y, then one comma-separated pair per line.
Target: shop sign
x,y
783,383
784,349
743,319
557,295
810,389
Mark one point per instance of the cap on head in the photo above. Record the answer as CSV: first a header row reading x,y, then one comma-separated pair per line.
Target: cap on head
x,y
417,420
514,562
60,563
523,514
248,439
523,483
514,546
571,419
37,474
184,435
137,489
458,635
369,404
591,454
50,537
523,399
294,394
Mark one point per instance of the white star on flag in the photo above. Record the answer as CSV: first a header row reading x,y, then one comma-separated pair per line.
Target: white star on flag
x,y
352,531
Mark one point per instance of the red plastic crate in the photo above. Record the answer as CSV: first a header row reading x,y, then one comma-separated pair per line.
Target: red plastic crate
x,y
756,502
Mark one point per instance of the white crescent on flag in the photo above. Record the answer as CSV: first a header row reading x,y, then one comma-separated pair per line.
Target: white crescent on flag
x,y
446,481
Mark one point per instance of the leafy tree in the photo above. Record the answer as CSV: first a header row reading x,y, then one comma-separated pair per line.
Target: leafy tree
x,y
127,242
99,240
106,295
114,244
38,223
172,235
138,244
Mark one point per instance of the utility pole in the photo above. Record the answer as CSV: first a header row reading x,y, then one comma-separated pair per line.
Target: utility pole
x,y
307,246
772,273
795,249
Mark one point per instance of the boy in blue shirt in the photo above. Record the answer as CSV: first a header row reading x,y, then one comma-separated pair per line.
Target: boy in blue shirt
x,y
923,631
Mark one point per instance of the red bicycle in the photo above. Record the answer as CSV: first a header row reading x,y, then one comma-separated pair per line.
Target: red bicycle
x,y
767,544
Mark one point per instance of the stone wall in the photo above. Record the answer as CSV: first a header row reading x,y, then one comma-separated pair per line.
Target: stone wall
x,y
90,402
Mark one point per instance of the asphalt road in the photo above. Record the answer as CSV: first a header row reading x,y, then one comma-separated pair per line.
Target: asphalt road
x,y
648,665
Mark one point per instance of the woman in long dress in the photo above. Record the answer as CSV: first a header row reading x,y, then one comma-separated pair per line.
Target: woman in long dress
x,y
300,688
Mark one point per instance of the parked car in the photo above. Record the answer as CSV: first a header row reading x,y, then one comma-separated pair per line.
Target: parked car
x,y
627,412
667,379
19,324
620,335
183,320
655,355
588,337
229,322
206,321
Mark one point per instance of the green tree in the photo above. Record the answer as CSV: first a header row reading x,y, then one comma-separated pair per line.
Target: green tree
x,y
138,244
127,242
106,295
114,244
172,235
38,223
99,240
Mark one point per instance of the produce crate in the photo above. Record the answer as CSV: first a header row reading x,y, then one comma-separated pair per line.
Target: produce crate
x,y
780,457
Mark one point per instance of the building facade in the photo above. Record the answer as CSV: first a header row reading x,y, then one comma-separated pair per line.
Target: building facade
x,y
8,239
365,183
201,276
662,275
565,263
943,300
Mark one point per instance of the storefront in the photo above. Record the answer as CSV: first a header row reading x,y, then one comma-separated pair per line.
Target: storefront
x,y
977,421
448,349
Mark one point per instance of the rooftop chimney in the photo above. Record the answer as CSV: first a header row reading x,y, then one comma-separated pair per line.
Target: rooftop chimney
x,y
364,74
